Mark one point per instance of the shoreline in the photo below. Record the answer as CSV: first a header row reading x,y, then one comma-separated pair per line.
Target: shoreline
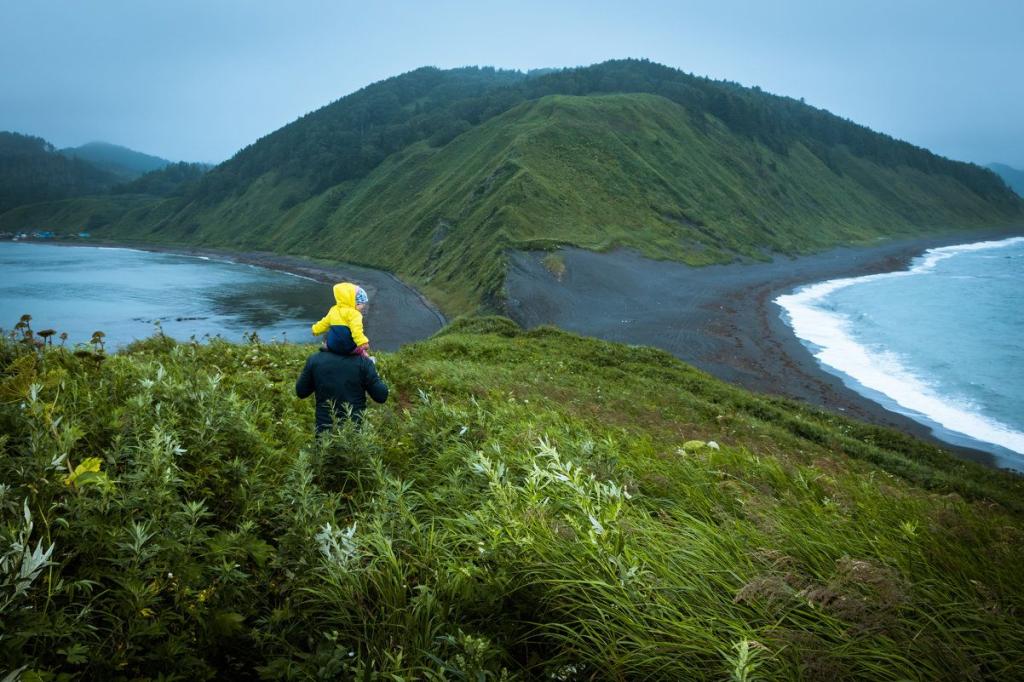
x,y
722,318
419,317
326,272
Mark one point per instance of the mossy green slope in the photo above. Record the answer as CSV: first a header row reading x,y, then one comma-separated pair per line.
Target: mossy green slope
x,y
684,179
92,213
600,171
528,505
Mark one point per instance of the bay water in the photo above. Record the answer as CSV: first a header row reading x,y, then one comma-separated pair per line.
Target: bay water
x,y
124,293
941,342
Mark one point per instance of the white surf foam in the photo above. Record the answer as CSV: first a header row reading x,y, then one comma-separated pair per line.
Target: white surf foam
x,y
114,248
885,372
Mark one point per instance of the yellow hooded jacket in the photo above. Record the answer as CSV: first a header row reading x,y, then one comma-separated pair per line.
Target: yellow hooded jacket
x,y
344,312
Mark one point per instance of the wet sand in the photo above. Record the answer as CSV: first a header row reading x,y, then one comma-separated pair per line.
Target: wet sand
x,y
399,313
721,319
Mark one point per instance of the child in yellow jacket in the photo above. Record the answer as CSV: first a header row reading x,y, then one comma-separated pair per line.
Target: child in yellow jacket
x,y
350,301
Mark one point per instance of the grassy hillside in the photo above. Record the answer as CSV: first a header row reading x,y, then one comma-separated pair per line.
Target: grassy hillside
x,y
528,505
436,174
84,213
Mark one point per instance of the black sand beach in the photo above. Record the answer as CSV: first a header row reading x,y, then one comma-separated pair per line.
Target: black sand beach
x,y
721,319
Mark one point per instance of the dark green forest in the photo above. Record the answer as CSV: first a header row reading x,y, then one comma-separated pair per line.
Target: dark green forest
x,y
173,180
32,170
350,137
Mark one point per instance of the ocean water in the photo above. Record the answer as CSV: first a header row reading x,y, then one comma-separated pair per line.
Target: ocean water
x,y
942,342
123,292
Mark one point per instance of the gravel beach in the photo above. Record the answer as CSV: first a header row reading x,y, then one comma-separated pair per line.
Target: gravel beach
x,y
721,319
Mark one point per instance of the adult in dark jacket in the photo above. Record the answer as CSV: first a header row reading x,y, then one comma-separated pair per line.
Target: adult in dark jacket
x,y
339,380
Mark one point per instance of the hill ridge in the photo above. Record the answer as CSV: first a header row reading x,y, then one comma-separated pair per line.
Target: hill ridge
x,y
125,163
624,153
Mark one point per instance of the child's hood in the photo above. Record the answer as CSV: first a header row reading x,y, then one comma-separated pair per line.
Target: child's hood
x,y
345,294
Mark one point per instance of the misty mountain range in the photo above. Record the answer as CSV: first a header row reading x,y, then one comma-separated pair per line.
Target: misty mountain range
x,y
126,164
33,170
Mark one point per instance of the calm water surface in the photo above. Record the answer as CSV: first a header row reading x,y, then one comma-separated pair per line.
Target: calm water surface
x,y
124,293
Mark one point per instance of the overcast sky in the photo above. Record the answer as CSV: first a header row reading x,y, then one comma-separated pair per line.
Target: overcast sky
x,y
197,80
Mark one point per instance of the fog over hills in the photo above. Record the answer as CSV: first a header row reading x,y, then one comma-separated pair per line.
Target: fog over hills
x,y
1014,177
126,164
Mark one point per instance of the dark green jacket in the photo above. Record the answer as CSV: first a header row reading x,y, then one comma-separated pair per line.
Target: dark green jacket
x,y
340,383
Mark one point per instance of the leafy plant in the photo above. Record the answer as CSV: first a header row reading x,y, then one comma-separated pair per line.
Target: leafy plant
x,y
528,505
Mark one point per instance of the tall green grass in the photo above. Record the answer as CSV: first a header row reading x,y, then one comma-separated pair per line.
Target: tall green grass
x,y
527,506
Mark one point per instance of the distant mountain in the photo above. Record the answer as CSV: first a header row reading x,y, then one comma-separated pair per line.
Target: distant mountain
x,y
1014,177
125,164
436,174
31,170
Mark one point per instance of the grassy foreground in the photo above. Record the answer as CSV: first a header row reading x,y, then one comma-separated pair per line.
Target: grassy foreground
x,y
529,505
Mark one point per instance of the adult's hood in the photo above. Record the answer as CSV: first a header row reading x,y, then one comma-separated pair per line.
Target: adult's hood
x,y
339,340
345,294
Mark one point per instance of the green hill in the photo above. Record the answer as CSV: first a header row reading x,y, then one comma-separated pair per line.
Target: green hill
x,y
436,174
1014,177
124,163
31,170
174,179
528,505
